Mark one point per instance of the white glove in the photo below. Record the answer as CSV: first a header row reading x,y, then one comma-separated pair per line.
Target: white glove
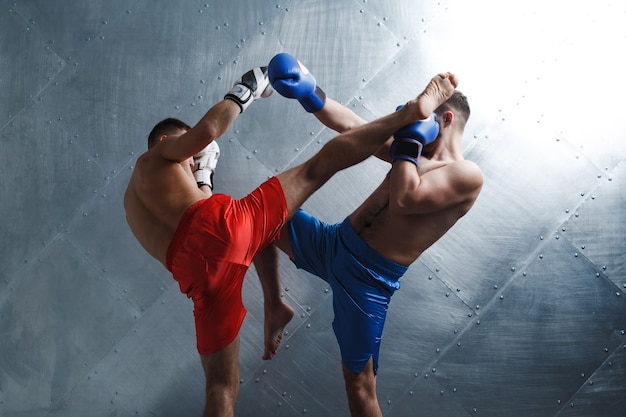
x,y
254,84
205,163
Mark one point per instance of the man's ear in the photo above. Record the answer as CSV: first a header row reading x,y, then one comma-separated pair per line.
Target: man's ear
x,y
162,137
447,117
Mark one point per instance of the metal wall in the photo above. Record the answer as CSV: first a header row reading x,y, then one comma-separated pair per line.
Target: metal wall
x,y
519,310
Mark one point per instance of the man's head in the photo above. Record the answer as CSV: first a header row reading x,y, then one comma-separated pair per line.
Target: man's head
x,y
459,107
166,127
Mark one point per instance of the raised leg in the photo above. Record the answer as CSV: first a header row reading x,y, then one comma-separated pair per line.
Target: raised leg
x,y
277,313
355,145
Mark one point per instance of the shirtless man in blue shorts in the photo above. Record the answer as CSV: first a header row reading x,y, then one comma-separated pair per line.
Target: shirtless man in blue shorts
x,y
207,241
429,188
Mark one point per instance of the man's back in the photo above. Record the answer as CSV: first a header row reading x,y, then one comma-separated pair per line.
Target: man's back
x,y
158,194
402,237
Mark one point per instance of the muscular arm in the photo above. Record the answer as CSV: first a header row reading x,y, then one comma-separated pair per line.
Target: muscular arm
x,y
438,189
212,125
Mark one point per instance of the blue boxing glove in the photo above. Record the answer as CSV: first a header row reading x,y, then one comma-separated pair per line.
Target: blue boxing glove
x,y
410,140
293,80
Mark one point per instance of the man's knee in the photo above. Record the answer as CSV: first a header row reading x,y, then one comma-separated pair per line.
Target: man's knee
x,y
362,384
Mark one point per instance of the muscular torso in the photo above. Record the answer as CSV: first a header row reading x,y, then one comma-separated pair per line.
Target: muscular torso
x,y
158,194
403,237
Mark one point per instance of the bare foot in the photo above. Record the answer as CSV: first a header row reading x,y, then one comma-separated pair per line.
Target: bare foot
x,y
439,89
276,318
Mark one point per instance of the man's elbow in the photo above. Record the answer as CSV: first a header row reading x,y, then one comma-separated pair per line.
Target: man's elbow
x,y
399,206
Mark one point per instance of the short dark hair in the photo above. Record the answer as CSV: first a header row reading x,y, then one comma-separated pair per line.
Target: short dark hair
x,y
458,105
165,127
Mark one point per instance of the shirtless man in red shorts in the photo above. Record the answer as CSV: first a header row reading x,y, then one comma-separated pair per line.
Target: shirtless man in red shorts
x,y
209,240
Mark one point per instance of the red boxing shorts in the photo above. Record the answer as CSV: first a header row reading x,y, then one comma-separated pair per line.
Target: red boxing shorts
x,y
213,246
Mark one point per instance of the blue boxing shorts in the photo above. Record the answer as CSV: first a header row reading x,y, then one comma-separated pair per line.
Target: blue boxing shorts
x,y
361,279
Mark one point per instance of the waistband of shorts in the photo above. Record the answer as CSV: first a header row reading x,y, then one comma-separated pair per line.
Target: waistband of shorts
x,y
368,256
181,230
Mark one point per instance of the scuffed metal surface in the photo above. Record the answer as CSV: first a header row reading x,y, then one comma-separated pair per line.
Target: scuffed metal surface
x,y
519,310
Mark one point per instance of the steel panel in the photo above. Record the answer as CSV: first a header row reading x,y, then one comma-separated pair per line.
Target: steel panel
x,y
91,325
522,344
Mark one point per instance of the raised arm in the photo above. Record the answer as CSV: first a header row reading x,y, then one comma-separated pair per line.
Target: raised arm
x,y
291,79
253,84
